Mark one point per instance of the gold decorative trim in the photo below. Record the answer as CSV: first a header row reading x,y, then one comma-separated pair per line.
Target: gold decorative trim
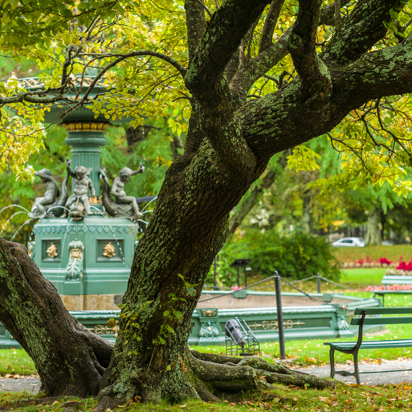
x,y
273,324
74,127
52,251
108,250
76,253
209,312
106,330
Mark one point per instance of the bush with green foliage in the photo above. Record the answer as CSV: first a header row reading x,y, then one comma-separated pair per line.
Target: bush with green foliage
x,y
297,255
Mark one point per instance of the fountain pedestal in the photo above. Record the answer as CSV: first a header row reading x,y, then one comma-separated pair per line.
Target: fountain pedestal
x,y
106,247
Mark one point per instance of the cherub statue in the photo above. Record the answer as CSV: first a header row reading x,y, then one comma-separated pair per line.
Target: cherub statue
x,y
82,185
118,192
124,206
43,205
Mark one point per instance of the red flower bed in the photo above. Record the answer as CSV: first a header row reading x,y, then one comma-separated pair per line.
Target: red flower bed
x,y
368,263
404,266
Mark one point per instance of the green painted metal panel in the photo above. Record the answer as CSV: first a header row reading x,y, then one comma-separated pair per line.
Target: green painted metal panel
x,y
101,274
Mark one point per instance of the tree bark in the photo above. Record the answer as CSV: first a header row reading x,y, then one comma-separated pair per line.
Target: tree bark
x,y
373,234
68,357
307,211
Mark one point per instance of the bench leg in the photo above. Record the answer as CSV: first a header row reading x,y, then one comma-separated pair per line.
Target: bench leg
x,y
355,362
332,362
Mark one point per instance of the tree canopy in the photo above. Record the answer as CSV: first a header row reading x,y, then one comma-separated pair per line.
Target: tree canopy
x,y
143,49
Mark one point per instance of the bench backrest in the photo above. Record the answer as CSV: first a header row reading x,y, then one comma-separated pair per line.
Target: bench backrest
x,y
388,320
397,280
385,311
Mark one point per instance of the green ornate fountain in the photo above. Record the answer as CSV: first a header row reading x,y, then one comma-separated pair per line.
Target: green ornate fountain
x,y
84,241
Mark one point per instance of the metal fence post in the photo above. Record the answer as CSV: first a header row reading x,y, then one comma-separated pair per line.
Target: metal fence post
x,y
280,316
318,279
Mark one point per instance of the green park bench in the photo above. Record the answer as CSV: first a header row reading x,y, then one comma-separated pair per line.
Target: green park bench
x,y
394,280
352,348
383,293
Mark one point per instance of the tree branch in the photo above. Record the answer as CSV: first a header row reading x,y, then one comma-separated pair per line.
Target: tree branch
x,y
327,14
380,73
302,47
256,68
195,23
270,24
173,62
360,31
221,40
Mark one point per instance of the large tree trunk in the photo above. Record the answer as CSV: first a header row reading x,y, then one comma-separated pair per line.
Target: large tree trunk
x,y
178,246
172,260
307,211
373,234
68,357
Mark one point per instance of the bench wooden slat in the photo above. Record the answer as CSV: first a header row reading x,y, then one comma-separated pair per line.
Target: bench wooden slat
x,y
385,311
377,344
398,280
389,320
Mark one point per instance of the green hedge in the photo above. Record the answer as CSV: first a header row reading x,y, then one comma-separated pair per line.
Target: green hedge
x,y
298,255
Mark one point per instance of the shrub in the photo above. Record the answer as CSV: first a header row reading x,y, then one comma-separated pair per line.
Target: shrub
x,y
297,256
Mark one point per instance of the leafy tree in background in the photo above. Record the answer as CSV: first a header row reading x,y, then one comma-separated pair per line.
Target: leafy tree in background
x,y
254,78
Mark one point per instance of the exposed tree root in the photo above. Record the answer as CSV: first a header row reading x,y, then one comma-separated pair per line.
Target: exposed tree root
x,y
248,373
210,376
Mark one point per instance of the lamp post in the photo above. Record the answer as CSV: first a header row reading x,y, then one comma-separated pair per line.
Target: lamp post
x,y
240,263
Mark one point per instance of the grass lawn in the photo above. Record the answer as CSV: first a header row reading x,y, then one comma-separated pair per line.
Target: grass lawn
x,y
362,277
16,362
341,399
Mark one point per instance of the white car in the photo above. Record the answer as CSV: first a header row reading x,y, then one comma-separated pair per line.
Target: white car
x,y
350,241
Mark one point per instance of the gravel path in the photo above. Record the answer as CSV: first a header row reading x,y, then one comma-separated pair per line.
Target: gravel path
x,y
385,378
28,384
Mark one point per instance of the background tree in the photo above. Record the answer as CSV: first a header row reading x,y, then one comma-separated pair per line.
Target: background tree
x,y
232,134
